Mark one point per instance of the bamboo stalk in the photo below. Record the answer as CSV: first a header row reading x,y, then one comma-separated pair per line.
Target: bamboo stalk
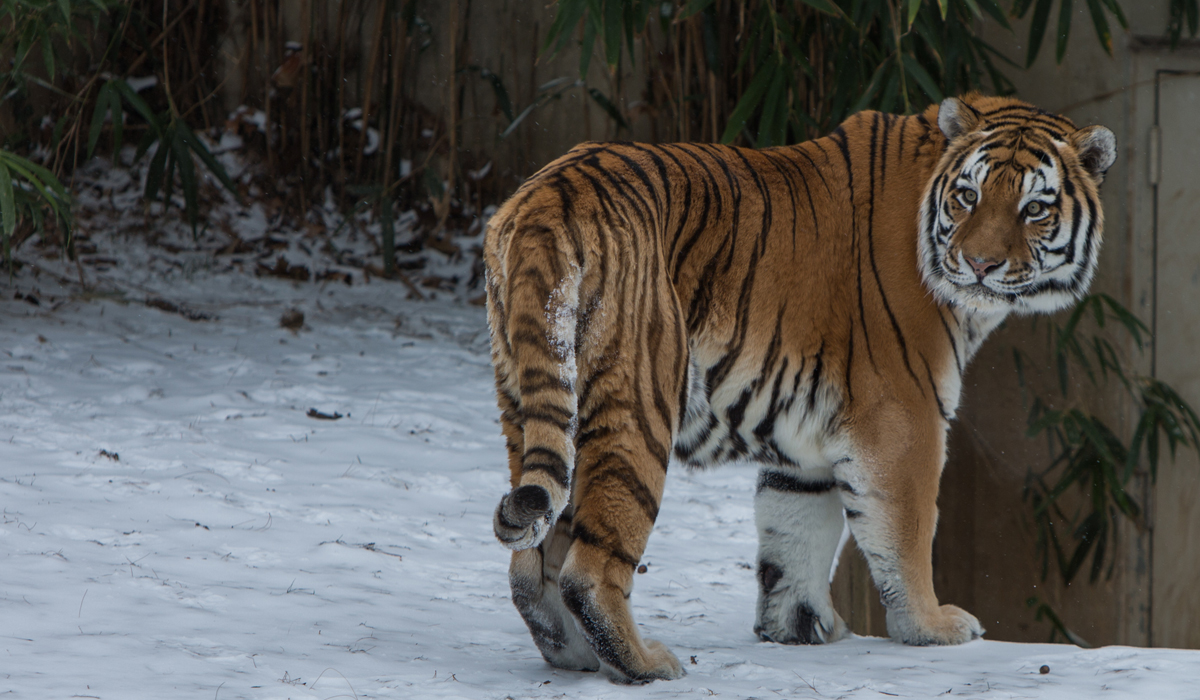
x,y
399,49
253,52
451,115
376,50
305,140
341,101
271,168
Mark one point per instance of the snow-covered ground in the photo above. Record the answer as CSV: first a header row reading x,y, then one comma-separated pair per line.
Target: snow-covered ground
x,y
176,526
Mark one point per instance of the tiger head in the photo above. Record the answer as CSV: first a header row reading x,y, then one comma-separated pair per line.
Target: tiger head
x,y
1011,218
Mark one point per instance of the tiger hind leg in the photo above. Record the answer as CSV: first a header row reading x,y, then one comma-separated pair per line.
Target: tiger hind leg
x,y
611,528
799,517
623,445
533,577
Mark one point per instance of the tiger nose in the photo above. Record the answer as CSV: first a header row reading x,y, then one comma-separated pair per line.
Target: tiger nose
x,y
982,267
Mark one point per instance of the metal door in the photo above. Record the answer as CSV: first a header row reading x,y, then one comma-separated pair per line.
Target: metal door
x,y
1175,573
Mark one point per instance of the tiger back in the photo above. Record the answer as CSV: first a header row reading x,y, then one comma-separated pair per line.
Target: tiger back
x,y
810,308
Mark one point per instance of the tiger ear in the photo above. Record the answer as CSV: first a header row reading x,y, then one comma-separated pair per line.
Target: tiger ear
x,y
956,117
1096,148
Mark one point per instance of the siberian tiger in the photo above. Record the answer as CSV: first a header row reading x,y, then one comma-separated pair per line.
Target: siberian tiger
x,y
809,308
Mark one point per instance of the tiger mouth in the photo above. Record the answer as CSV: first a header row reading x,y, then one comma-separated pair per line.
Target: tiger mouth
x,y
977,290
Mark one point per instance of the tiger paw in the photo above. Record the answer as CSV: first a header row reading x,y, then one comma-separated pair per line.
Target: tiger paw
x,y
523,517
657,663
945,625
799,623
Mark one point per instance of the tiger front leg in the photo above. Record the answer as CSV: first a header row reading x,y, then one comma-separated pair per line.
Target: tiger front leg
x,y
890,497
800,522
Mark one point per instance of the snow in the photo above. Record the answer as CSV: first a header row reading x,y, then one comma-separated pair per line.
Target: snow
x,y
174,524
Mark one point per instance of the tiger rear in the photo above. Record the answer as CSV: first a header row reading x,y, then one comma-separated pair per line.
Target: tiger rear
x,y
810,308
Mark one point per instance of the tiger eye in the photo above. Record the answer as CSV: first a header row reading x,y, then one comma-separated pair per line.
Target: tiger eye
x,y
1033,208
970,196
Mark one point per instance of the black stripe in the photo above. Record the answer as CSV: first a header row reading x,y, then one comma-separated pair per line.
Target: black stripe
x,y
816,378
786,483
545,458
613,472
933,385
583,534
875,267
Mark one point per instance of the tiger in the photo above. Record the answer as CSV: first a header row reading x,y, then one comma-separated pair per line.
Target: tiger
x,y
809,308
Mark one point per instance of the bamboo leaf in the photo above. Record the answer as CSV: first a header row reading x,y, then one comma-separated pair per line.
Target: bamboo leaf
x,y
1020,7
48,56
1115,7
749,102
565,21
923,78
1048,419
827,6
612,32
102,106
8,206
994,10
154,174
144,144
1037,30
1064,29
1145,424
692,8
502,100
118,122
610,108
137,103
168,187
1101,24
914,6
873,86
195,145
1098,556
187,178
585,52
1088,426
1086,534
1132,324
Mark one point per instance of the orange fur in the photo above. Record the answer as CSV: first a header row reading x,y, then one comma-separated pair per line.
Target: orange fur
x,y
775,305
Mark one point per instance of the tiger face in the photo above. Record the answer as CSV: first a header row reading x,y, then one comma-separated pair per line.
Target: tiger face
x,y
1011,219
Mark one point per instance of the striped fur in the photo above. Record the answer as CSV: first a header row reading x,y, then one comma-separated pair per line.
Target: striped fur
x,y
774,306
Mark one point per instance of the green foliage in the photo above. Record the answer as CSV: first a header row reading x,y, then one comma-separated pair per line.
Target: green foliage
x,y
51,26
889,55
872,55
1044,613
1098,9
55,25
1092,459
176,146
27,192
